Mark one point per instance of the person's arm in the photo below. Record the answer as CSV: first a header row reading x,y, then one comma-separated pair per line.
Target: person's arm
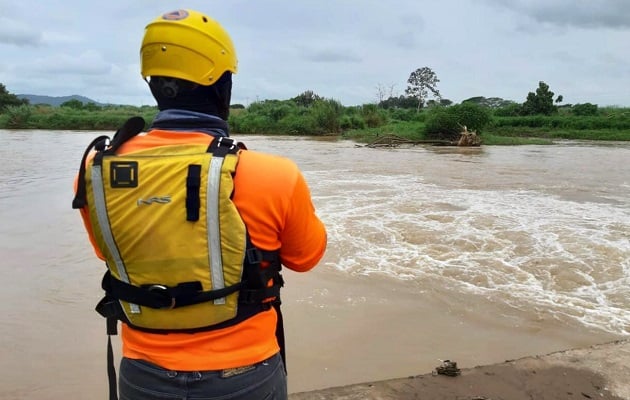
x,y
303,236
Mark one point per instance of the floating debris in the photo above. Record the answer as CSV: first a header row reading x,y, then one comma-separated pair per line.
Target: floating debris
x,y
396,141
448,368
466,139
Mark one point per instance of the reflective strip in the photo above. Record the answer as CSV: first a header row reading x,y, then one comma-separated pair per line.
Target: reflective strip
x,y
214,233
106,229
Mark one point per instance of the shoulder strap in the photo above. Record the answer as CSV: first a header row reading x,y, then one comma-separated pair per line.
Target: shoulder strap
x,y
80,198
130,128
221,146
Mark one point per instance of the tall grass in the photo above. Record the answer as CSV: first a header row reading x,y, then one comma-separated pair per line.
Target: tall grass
x,y
614,121
67,118
329,117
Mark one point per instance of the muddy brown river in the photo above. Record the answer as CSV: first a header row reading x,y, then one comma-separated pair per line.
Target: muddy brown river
x,y
477,253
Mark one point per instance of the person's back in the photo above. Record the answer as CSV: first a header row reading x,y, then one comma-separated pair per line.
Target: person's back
x,y
186,352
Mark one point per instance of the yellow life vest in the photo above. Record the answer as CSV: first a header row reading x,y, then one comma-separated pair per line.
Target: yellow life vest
x,y
174,242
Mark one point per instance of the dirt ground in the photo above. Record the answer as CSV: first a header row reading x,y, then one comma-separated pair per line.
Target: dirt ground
x,y
596,372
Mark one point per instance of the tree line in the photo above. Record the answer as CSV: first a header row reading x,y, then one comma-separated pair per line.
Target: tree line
x,y
422,83
421,113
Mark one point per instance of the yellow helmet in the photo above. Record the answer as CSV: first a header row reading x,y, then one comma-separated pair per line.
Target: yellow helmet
x,y
189,45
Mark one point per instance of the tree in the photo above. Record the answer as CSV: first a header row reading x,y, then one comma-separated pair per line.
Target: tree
x,y
8,99
540,102
399,102
420,83
440,103
74,103
490,102
307,98
91,106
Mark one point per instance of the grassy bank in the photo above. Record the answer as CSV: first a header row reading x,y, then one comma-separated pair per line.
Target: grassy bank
x,y
492,135
108,118
562,133
328,117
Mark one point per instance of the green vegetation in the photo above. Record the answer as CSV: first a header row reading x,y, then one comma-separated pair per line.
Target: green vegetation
x,y
500,122
71,117
446,123
540,102
8,99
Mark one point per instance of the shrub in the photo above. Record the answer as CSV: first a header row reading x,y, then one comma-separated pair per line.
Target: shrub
x,y
74,103
251,123
372,116
297,125
18,116
586,109
441,124
352,122
446,123
510,110
326,114
404,114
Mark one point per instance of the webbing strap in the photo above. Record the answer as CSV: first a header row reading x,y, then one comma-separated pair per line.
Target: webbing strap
x,y
280,334
80,199
111,369
161,296
193,183
130,128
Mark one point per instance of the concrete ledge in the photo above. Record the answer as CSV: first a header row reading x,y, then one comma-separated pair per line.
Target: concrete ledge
x,y
596,372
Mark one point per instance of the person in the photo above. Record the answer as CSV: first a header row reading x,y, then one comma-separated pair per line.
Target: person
x,y
194,229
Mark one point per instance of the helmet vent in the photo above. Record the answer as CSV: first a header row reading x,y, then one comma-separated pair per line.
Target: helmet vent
x,y
205,19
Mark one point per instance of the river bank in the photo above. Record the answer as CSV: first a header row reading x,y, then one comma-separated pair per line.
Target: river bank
x,y
362,124
595,372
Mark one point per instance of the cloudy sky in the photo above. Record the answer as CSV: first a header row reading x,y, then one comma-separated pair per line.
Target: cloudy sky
x,y
341,49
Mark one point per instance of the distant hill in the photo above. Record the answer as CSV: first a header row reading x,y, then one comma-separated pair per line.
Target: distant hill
x,y
56,100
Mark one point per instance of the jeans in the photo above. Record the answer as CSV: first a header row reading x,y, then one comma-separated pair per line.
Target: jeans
x,y
141,380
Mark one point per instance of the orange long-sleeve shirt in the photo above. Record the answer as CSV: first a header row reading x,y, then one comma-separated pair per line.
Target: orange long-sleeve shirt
x,y
275,204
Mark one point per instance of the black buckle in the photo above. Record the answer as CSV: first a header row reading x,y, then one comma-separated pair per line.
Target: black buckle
x,y
222,146
162,292
253,255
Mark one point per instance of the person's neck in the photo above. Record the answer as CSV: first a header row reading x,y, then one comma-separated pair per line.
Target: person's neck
x,y
187,120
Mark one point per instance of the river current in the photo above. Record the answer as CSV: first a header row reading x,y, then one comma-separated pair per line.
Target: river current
x,y
542,229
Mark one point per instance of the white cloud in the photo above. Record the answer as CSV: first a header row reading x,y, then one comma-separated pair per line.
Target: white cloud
x,y
18,33
340,49
591,14
67,66
329,55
